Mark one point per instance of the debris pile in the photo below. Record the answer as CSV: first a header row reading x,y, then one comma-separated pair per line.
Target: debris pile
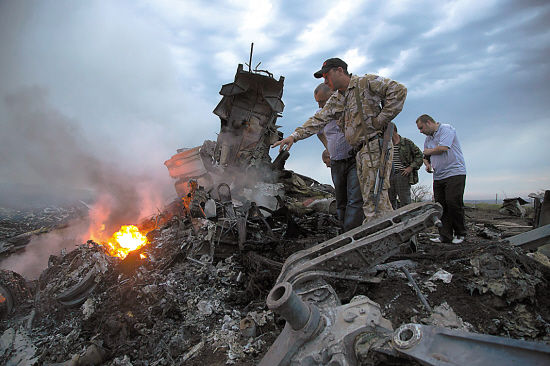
x,y
245,234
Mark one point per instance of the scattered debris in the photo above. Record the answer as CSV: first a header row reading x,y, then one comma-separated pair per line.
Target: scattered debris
x,y
513,206
442,275
444,316
541,204
248,244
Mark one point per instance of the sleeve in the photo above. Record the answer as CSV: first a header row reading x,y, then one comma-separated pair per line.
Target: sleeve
x,y
447,136
333,109
393,95
416,155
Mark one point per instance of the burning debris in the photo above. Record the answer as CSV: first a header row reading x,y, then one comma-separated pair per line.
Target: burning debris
x,y
247,245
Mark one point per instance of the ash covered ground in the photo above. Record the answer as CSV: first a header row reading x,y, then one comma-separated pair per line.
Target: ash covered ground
x,y
181,305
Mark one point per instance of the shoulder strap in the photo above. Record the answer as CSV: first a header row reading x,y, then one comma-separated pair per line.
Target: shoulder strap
x,y
363,127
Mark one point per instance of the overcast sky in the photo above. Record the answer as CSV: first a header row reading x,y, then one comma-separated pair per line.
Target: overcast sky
x,y
129,82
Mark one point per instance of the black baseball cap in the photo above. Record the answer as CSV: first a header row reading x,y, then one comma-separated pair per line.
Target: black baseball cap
x,y
329,64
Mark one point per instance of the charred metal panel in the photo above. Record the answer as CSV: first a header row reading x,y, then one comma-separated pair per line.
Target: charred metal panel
x,y
248,111
187,163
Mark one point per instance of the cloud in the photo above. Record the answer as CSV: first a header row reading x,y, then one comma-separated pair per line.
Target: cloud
x,y
319,34
399,64
458,13
355,60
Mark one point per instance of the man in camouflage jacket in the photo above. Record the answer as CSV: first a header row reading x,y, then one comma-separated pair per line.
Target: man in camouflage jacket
x,y
363,107
407,159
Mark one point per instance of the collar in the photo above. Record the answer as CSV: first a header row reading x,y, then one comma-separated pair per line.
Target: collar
x,y
354,80
437,129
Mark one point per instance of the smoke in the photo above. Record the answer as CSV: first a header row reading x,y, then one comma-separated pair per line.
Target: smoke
x,y
34,259
41,146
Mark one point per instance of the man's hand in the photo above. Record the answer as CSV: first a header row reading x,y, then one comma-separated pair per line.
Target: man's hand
x,y
286,142
407,171
428,152
429,168
325,156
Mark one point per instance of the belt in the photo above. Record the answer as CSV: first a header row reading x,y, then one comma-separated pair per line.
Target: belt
x,y
351,157
362,144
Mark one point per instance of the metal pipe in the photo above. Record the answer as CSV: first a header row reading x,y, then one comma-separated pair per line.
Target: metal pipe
x,y
415,286
284,301
250,60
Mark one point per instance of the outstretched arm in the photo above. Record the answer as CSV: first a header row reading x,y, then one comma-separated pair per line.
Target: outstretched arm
x,y
315,124
285,143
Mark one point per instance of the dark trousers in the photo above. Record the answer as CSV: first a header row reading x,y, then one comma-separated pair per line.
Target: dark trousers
x,y
349,201
399,187
449,192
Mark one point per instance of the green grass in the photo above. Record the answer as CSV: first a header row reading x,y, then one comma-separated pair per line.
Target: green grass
x,y
494,207
485,206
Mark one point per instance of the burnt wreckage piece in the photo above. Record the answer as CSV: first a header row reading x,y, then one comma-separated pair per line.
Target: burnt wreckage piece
x,y
232,182
320,330
248,111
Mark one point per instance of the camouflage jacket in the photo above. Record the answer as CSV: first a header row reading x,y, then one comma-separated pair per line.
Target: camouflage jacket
x,y
410,155
382,99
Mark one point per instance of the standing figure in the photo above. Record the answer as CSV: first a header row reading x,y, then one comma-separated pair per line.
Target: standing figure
x,y
443,156
407,160
363,107
349,201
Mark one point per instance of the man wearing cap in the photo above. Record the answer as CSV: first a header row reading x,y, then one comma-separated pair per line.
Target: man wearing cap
x,y
343,170
363,107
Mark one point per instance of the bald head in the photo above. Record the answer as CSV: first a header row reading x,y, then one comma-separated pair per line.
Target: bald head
x,y
321,94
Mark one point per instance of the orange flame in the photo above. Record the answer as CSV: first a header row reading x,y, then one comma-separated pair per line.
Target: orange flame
x,y
127,239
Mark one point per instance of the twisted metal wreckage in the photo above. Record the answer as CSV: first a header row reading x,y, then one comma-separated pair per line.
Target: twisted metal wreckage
x,y
319,329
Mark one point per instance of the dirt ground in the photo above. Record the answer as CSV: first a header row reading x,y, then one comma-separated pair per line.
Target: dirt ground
x,y
176,307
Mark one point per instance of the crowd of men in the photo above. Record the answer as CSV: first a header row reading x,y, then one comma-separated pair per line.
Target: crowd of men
x,y
354,116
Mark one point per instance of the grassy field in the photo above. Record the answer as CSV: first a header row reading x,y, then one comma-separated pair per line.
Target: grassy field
x,y
494,207
485,206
